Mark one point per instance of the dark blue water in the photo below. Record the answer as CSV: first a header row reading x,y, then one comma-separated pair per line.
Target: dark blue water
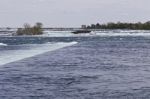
x,y
95,68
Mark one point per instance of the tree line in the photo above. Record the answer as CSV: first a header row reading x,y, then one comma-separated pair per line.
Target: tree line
x,y
30,30
120,25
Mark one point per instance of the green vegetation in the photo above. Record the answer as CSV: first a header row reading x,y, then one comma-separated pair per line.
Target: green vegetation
x,y
120,25
28,30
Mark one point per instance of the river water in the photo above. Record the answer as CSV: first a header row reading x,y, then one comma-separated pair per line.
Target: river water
x,y
116,67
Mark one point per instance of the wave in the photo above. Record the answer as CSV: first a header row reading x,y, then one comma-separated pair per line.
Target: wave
x,y
99,33
16,55
3,44
121,33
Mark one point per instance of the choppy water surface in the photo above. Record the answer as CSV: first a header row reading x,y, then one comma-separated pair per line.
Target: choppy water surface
x,y
95,68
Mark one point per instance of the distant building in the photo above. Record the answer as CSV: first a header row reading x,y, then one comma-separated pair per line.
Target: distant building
x,y
83,26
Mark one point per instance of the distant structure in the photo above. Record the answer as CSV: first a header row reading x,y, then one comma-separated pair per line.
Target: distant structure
x,y
83,26
6,31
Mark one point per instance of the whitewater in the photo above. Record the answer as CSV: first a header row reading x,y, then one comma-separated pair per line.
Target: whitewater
x,y
3,44
35,49
76,67
97,33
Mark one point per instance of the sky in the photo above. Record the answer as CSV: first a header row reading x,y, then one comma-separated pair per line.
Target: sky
x,y
72,13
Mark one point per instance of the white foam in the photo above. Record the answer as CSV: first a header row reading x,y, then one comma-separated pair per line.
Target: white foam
x,y
17,55
3,44
122,33
98,33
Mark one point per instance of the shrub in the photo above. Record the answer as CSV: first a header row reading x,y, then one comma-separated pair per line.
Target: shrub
x,y
28,30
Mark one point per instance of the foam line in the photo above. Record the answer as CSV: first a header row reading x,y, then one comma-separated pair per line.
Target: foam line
x,y
39,49
3,44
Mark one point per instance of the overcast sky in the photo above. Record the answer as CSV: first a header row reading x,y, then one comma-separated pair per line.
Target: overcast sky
x,y
72,13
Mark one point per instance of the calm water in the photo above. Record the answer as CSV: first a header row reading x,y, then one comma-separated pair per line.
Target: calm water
x,y
95,68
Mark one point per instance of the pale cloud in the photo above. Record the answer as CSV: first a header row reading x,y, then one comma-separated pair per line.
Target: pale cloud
x,y
72,12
